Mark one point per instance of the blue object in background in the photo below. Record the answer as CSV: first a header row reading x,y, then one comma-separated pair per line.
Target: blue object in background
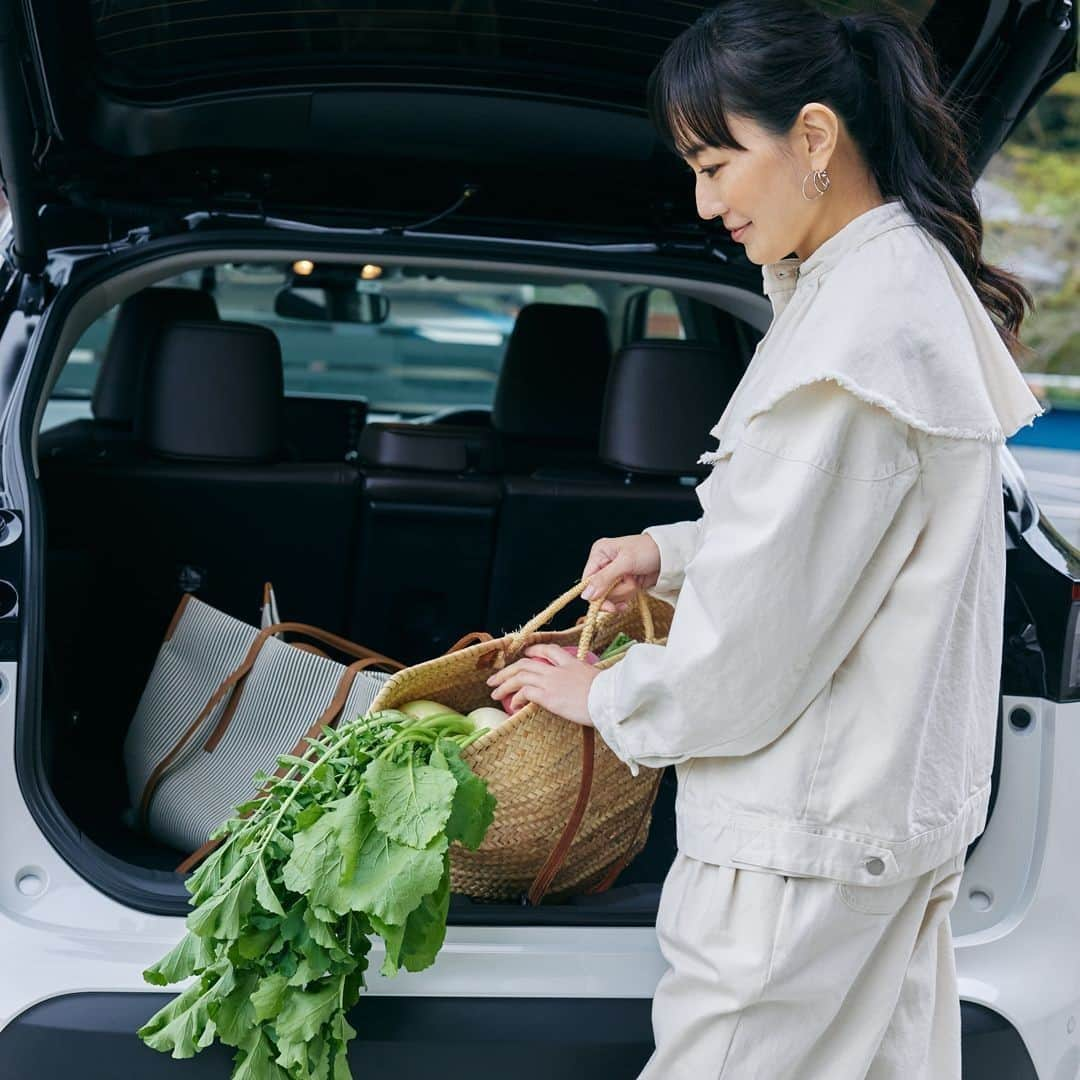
x,y
1058,428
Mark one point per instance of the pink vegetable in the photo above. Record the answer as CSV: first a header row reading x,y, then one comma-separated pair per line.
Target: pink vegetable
x,y
590,657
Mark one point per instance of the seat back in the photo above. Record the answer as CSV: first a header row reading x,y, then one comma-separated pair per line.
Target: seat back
x,y
427,534
432,491
550,389
117,389
199,501
661,400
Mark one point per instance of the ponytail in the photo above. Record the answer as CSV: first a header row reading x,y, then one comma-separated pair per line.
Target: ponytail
x,y
764,59
919,155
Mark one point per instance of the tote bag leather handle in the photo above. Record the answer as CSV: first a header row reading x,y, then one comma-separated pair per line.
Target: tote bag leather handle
x,y
231,684
329,716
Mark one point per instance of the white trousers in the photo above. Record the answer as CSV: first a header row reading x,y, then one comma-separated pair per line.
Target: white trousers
x,y
789,978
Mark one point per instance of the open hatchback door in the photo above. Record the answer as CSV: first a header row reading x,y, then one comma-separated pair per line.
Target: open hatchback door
x,y
522,118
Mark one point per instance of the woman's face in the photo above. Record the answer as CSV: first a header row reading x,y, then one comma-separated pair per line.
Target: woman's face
x,y
759,186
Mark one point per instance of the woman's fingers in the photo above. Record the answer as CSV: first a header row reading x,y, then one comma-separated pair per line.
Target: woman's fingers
x,y
520,700
603,551
545,650
511,686
602,578
515,668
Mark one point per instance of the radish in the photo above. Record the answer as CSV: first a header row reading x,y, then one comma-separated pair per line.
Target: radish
x,y
488,716
423,707
590,657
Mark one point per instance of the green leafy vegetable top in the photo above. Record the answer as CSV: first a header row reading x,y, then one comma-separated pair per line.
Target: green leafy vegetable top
x,y
620,642
352,841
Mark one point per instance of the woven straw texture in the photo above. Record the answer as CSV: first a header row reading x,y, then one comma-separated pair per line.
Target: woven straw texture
x,y
533,762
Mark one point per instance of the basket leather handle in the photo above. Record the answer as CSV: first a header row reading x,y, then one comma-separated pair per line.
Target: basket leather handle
x,y
328,717
554,862
473,635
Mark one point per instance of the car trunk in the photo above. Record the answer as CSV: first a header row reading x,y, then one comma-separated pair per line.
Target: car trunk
x,y
126,535
122,122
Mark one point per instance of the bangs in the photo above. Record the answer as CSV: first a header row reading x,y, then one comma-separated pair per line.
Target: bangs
x,y
685,99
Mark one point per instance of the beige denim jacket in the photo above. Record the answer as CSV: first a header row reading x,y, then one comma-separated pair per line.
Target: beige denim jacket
x,y
829,689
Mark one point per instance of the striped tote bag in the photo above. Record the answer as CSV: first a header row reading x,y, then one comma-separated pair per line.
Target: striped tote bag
x,y
223,700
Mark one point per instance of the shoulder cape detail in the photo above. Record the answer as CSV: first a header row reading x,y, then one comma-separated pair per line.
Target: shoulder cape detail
x,y
894,321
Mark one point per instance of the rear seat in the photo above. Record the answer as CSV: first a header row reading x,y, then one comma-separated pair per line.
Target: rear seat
x,y
139,320
431,491
201,501
661,401
426,538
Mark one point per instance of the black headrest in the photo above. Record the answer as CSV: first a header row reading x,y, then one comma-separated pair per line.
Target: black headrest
x,y
552,378
662,400
138,322
214,392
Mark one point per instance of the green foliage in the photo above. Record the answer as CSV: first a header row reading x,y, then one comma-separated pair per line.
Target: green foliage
x,y
1040,166
1045,181
353,843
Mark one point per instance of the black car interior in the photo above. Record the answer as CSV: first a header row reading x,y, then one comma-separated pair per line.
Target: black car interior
x,y
197,473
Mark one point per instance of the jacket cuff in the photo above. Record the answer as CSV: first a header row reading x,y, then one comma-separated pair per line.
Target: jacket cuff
x,y
605,716
677,543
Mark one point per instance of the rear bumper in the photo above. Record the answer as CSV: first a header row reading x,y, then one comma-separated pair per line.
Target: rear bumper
x,y
417,1037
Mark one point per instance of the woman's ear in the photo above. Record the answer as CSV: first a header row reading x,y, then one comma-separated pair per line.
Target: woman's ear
x,y
817,128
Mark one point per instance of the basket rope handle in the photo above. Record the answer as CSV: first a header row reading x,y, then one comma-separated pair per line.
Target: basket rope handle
x,y
591,619
554,862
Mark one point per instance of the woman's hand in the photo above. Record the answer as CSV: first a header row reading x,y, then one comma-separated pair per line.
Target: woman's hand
x,y
560,686
633,561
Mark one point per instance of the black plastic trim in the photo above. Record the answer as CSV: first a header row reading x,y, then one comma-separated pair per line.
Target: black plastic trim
x,y
414,1038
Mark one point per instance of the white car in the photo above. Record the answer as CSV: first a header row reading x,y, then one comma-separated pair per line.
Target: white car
x,y
228,166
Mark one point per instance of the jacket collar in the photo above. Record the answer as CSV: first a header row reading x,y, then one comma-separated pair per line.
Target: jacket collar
x,y
779,279
958,380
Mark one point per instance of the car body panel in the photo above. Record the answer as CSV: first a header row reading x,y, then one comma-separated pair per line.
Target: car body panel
x,y
551,998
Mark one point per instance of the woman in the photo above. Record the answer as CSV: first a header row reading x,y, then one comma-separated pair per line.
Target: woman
x,y
828,691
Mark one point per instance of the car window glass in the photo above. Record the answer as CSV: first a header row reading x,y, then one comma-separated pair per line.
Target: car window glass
x,y
441,346
662,318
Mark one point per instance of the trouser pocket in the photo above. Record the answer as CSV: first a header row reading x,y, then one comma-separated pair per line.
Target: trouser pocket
x,y
874,899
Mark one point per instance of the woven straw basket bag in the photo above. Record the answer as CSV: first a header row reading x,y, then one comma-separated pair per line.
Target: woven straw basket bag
x,y
570,814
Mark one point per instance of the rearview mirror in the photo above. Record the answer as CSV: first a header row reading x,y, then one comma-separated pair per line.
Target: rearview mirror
x,y
332,301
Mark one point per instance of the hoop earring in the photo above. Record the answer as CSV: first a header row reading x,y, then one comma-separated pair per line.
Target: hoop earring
x,y
821,184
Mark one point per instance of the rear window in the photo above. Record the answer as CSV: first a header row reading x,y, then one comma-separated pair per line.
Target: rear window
x,y
442,342
565,44
603,51
662,316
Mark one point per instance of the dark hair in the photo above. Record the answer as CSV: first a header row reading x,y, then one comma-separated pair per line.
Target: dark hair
x,y
764,59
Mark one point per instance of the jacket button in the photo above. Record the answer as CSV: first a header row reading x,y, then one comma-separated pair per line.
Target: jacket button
x,y
875,866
